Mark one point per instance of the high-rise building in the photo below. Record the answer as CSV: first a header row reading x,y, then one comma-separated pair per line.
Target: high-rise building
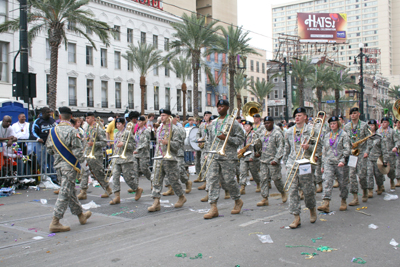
x,y
371,22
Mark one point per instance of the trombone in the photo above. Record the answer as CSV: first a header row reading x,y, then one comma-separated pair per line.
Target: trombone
x,y
91,154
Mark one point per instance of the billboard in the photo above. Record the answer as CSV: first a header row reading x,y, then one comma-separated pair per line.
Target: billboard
x,y
322,27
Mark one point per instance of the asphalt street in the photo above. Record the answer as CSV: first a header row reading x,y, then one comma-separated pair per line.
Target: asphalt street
x,y
128,235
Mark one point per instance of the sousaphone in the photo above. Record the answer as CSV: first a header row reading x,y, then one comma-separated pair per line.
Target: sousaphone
x,y
396,109
250,109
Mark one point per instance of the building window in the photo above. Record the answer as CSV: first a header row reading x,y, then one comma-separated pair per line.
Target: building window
x,y
209,99
70,25
216,75
156,97
224,78
199,102
103,57
189,100
178,100
216,57
72,91
155,41
3,62
258,79
89,55
166,44
252,65
276,94
89,93
48,50
244,99
223,58
143,37
208,57
263,67
130,96
129,35
117,60
276,111
166,71
130,65
117,95
252,80
71,53
258,66
117,30
155,70
89,31
167,98
3,11
104,94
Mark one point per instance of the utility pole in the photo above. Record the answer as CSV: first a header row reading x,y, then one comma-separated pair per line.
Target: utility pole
x,y
361,82
286,94
23,47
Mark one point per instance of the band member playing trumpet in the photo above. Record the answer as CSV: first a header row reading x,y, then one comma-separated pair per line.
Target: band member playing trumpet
x,y
124,143
335,153
357,130
250,161
202,136
96,136
296,141
168,143
272,142
390,138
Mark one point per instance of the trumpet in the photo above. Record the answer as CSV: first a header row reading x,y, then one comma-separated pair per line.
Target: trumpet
x,y
355,150
91,154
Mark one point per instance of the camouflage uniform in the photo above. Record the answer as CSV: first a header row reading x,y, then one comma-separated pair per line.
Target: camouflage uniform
x,y
397,138
124,166
84,176
246,164
360,131
389,138
318,173
375,148
142,158
180,157
332,155
65,172
272,150
304,182
96,164
222,167
166,167
203,133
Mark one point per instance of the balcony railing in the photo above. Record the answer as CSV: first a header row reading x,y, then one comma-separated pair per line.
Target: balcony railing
x,y
131,106
90,102
104,104
179,107
72,102
156,106
118,104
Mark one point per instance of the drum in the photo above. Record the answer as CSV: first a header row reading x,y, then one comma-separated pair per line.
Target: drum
x,y
190,140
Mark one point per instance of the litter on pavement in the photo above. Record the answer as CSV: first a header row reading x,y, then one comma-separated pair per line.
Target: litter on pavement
x,y
389,197
373,226
265,239
90,205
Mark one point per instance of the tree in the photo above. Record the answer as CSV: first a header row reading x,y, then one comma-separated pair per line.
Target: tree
x,y
182,66
143,57
193,34
240,82
394,92
55,16
340,80
385,104
234,43
261,89
344,103
319,81
301,71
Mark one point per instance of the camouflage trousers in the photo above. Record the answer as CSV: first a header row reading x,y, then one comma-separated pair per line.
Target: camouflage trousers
x,y
222,171
305,183
84,176
129,176
269,172
183,174
96,166
373,171
392,162
318,173
199,158
237,170
331,172
203,171
245,166
397,172
361,172
67,195
142,165
162,168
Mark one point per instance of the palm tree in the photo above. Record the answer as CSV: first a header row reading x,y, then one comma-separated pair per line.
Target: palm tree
x,y
340,80
234,42
344,103
192,35
386,105
182,66
320,82
301,71
55,16
240,82
394,92
261,89
143,57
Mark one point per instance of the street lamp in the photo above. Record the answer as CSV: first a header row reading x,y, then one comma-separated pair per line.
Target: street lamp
x,y
361,82
286,94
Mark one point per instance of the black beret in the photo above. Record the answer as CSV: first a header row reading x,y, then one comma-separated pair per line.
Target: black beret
x,y
88,114
353,109
256,116
133,114
142,118
248,123
372,122
65,110
207,112
165,111
299,110
213,117
121,120
238,117
268,118
333,118
203,120
223,102
340,116
385,119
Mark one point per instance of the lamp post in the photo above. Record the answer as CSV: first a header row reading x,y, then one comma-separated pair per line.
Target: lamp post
x,y
286,98
361,82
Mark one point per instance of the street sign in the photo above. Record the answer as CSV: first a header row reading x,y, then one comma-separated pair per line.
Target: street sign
x,y
330,101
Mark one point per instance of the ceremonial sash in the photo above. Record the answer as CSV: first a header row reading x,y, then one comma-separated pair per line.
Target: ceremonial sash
x,y
64,151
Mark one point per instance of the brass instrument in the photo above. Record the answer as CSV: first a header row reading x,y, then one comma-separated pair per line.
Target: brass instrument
x,y
355,151
251,108
202,142
396,109
312,158
167,154
91,154
243,150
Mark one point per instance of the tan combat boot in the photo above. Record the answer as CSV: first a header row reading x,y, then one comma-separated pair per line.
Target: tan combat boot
x,y
227,195
383,188
204,199
202,187
82,195
370,193
343,205
238,206
296,223
379,190
212,213
392,185
325,206
182,199
116,199
56,226
336,184
269,185
258,189
138,194
263,202
198,180
398,182
83,217
365,195
107,193
354,202
319,188
313,215
251,178
57,192
301,194
188,187
155,206
130,190
284,197
169,192
243,189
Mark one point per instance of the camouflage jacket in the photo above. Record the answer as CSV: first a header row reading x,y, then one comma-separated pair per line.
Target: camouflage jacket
x,y
182,136
389,138
130,147
273,145
292,146
251,137
163,133
335,151
360,131
142,139
376,147
203,133
101,141
71,139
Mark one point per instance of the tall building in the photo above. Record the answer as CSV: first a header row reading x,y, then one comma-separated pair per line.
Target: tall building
x,y
372,22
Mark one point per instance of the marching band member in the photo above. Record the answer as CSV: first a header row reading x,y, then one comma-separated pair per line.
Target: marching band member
x,y
397,154
202,135
389,138
257,125
335,153
318,173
